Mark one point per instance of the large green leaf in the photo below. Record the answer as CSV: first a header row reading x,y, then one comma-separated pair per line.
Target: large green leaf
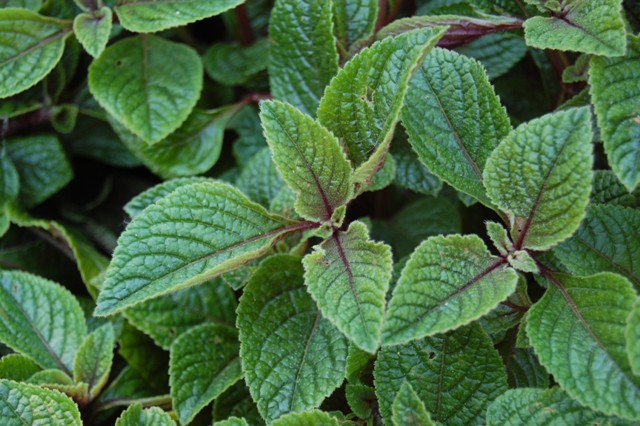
x,y
456,375
580,316
195,233
454,119
31,45
148,84
144,16
354,20
41,319
348,276
408,410
589,26
632,334
92,29
303,56
540,175
205,361
233,64
448,282
616,97
22,404
292,357
309,158
136,416
315,417
93,360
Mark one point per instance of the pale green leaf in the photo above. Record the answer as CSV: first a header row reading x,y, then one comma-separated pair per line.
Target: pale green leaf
x,y
315,418
40,319
204,362
137,83
348,277
195,233
456,375
259,179
94,358
22,404
589,26
632,333
497,52
354,20
232,421
580,316
31,45
607,189
616,98
292,357
92,29
499,237
17,367
454,120
232,64
448,282
144,16
303,56
408,410
540,175
309,158
136,416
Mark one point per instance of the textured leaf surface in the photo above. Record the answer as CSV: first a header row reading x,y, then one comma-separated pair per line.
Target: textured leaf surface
x,y
40,319
411,173
589,26
22,404
455,375
204,363
348,276
315,417
616,98
149,94
408,410
145,16
454,119
9,181
136,416
353,20
550,160
32,45
303,56
607,189
309,158
292,357
146,198
524,369
232,421
497,52
233,64
632,334
259,179
188,237
93,360
92,29
17,367
579,316
448,282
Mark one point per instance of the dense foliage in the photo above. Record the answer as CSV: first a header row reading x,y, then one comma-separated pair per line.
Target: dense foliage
x,y
319,212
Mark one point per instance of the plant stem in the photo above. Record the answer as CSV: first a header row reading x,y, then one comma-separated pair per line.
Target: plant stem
x,y
245,32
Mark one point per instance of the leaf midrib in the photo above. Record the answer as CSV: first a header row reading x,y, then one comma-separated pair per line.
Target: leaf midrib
x,y
623,271
42,43
305,352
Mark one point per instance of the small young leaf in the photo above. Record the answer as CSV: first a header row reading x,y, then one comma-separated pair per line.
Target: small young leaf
x,y
136,416
315,417
348,276
149,94
353,21
408,410
22,404
540,175
448,282
278,320
17,367
231,64
204,363
93,29
93,360
632,333
499,238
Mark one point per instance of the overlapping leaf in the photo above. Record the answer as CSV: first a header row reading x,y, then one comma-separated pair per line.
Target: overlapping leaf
x,y
407,409
353,21
232,64
315,417
93,30
632,334
93,360
22,404
607,189
136,416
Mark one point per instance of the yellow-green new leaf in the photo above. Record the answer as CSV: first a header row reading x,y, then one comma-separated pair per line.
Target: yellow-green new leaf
x,y
92,29
94,358
22,404
408,410
136,416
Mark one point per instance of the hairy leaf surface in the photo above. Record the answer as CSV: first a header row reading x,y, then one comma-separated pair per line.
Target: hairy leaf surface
x,y
22,404
136,416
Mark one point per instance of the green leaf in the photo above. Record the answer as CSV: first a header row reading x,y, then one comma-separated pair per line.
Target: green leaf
x,y
204,363
137,204
32,45
315,417
615,98
17,367
179,242
232,421
410,172
136,416
540,175
42,166
448,282
456,375
408,410
149,94
448,99
302,56
232,64
149,361
309,158
237,401
24,4
292,357
145,16
607,189
579,316
9,181
497,52
40,319
348,277
353,21
365,89
22,404
589,26
361,399
259,179
524,370
94,358
92,29
632,333
537,407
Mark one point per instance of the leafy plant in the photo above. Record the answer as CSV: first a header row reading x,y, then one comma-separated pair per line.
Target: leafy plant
x,y
319,212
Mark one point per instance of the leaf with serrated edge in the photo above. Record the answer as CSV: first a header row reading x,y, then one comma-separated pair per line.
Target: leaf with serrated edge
x,y
454,120
348,276
586,315
92,29
315,418
615,98
448,282
204,362
22,404
455,375
607,189
309,158
194,234
232,421
632,333
408,410
93,360
353,20
136,416
278,320
40,319
540,175
150,95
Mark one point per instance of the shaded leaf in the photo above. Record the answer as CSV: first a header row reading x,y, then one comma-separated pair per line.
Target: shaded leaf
x,y
93,360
